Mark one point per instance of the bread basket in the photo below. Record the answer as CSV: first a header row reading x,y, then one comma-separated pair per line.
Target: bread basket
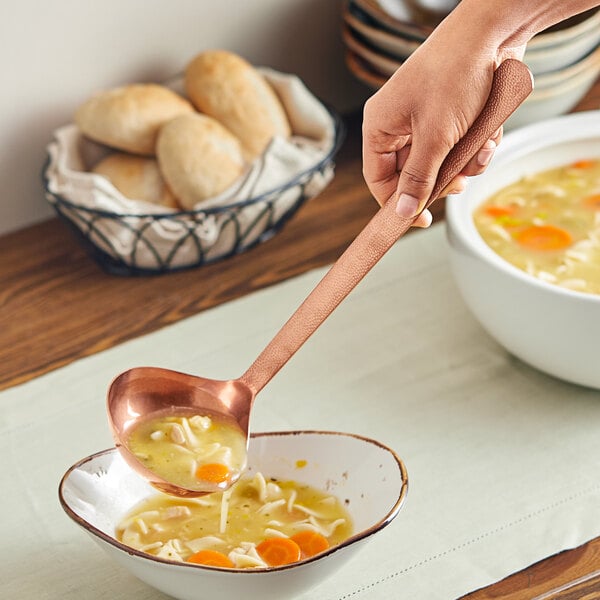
x,y
146,242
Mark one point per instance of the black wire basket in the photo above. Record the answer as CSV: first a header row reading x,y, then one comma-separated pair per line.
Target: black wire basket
x,y
150,244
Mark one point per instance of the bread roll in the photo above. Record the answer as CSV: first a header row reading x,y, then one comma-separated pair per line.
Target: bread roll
x,y
129,117
198,157
137,178
226,87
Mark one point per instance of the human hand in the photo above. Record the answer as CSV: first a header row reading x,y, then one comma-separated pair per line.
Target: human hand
x,y
427,106
475,166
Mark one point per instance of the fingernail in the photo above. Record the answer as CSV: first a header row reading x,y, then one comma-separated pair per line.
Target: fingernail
x,y
485,154
407,205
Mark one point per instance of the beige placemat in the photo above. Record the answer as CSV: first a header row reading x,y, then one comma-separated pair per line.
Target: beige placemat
x,y
503,461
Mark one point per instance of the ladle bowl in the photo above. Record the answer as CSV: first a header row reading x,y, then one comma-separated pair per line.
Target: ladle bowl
x,y
141,393
144,392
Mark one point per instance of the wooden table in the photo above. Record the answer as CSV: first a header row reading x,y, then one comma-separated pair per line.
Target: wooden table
x,y
59,306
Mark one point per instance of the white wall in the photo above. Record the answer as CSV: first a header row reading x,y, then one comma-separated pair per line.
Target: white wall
x,y
54,54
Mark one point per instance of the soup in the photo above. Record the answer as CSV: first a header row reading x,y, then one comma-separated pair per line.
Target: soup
x,y
197,453
548,224
257,523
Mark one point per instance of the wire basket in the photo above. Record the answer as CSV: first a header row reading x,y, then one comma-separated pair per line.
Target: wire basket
x,y
149,244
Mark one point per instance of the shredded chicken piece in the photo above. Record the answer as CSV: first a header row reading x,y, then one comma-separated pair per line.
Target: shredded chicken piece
x,y
199,422
177,434
174,512
273,490
170,552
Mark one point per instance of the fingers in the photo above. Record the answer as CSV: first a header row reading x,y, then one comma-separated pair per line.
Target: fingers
x,y
409,174
418,175
409,204
424,220
478,164
456,186
383,156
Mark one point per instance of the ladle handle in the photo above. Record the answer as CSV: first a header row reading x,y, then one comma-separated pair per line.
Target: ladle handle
x,y
512,83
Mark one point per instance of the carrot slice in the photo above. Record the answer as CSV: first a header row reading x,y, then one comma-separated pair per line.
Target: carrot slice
x,y
279,551
544,237
211,558
592,201
310,542
213,472
499,211
583,164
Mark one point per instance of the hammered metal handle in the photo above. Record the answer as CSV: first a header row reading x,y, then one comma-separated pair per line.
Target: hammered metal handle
x,y
512,83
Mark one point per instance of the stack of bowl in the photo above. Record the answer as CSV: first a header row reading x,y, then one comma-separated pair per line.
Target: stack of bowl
x,y
565,59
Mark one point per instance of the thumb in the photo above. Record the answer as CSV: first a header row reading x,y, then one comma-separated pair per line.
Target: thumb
x,y
418,176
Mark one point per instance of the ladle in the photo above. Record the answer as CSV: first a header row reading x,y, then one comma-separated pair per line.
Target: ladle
x,y
142,392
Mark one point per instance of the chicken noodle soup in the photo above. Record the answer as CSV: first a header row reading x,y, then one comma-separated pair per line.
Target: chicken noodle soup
x,y
256,523
197,453
548,224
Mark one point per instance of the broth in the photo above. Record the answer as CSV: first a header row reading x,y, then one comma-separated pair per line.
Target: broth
x,y
244,527
197,453
548,224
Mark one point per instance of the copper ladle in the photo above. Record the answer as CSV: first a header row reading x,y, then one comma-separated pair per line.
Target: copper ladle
x,y
145,391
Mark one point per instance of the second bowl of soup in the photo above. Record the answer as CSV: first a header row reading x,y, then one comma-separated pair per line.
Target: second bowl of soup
x,y
525,246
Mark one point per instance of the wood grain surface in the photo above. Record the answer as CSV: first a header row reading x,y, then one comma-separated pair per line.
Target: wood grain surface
x,y
59,306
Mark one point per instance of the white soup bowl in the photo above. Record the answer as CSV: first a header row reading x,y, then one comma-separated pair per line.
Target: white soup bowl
x,y
368,477
552,328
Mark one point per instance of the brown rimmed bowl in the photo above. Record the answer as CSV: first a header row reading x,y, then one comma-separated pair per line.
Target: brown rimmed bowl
x,y
366,475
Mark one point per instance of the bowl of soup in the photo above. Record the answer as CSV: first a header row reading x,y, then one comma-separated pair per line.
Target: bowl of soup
x,y
525,246
304,506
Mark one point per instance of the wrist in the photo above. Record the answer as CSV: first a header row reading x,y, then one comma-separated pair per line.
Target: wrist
x,y
512,23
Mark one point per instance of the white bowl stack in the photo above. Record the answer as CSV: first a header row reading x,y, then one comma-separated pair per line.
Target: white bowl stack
x,y
565,59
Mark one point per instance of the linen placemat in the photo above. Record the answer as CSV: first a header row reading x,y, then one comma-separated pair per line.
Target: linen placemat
x,y
502,460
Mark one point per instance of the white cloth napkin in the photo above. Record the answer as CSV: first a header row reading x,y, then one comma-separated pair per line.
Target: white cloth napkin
x,y
502,460
71,155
